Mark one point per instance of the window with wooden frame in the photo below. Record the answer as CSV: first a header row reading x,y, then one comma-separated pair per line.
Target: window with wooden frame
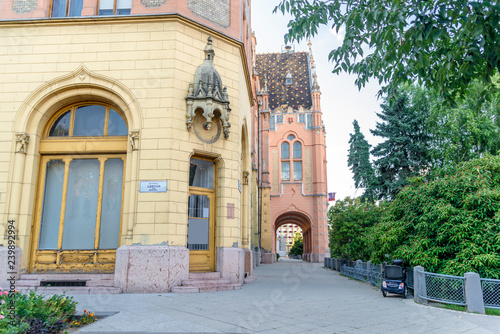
x,y
80,190
115,7
63,8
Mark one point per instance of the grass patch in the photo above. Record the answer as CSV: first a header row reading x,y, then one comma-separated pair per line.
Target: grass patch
x,y
488,311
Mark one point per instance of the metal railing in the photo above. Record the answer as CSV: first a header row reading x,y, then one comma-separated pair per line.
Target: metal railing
x,y
491,292
441,288
430,286
372,276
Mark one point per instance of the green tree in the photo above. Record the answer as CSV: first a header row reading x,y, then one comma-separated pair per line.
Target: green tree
x,y
348,220
442,44
359,162
297,245
404,152
466,132
449,225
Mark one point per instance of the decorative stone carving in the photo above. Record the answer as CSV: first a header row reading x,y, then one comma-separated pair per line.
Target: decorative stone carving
x,y
133,138
245,178
22,140
207,96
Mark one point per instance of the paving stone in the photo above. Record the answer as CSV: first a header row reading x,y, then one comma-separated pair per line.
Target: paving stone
x,y
287,297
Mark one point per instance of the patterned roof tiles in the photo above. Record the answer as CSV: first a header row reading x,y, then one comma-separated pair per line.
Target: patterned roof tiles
x,y
275,67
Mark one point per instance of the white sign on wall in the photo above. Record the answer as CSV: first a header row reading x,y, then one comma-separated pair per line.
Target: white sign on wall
x,y
153,187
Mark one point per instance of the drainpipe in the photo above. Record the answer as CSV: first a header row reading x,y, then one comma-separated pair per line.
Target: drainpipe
x,y
259,158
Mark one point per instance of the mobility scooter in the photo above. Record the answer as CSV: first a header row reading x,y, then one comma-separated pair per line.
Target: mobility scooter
x,y
394,279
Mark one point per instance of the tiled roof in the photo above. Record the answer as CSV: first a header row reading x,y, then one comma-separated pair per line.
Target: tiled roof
x,y
274,67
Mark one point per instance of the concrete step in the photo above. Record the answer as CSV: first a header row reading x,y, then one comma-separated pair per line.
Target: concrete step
x,y
205,282
195,289
73,290
208,275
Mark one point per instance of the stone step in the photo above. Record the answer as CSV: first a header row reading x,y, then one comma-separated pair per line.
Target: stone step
x,y
67,277
74,290
208,275
92,280
195,289
205,282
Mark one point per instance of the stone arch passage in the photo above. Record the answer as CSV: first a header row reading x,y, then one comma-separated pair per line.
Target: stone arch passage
x,y
304,223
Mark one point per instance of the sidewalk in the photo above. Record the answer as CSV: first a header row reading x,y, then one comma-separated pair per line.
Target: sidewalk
x,y
287,297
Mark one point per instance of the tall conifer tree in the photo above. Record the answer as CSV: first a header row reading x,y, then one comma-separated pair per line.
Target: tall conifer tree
x,y
359,162
404,153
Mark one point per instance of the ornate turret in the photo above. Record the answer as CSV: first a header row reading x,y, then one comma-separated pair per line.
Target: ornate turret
x,y
206,93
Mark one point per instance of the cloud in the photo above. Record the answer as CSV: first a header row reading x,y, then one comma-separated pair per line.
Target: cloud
x,y
340,35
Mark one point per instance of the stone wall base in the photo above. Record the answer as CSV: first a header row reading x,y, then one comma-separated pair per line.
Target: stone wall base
x,y
318,257
150,269
268,258
10,268
249,262
231,264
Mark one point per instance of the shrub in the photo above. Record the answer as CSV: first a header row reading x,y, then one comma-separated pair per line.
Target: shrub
x,y
298,245
34,314
449,225
349,219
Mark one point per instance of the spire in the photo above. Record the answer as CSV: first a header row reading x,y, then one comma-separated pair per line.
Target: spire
x,y
209,50
315,85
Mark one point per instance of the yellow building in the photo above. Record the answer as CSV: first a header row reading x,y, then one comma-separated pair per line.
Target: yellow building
x,y
125,141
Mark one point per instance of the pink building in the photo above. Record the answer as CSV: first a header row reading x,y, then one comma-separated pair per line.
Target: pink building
x,y
293,148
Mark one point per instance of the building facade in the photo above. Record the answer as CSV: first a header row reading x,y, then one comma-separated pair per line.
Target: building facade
x,y
293,150
126,143
286,234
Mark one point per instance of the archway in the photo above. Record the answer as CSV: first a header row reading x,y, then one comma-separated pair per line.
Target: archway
x,y
32,119
301,220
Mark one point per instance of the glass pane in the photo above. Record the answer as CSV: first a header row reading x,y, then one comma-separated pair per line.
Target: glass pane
x,y
106,11
124,4
297,150
51,208
297,170
116,124
309,123
272,125
279,119
198,222
58,8
201,173
290,137
106,4
199,206
111,204
75,7
285,171
89,121
61,126
123,11
285,150
81,204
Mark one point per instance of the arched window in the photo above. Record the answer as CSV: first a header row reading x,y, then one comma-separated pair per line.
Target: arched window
x,y
79,201
285,150
297,150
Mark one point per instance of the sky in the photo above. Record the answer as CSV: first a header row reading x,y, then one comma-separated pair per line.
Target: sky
x,y
341,101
